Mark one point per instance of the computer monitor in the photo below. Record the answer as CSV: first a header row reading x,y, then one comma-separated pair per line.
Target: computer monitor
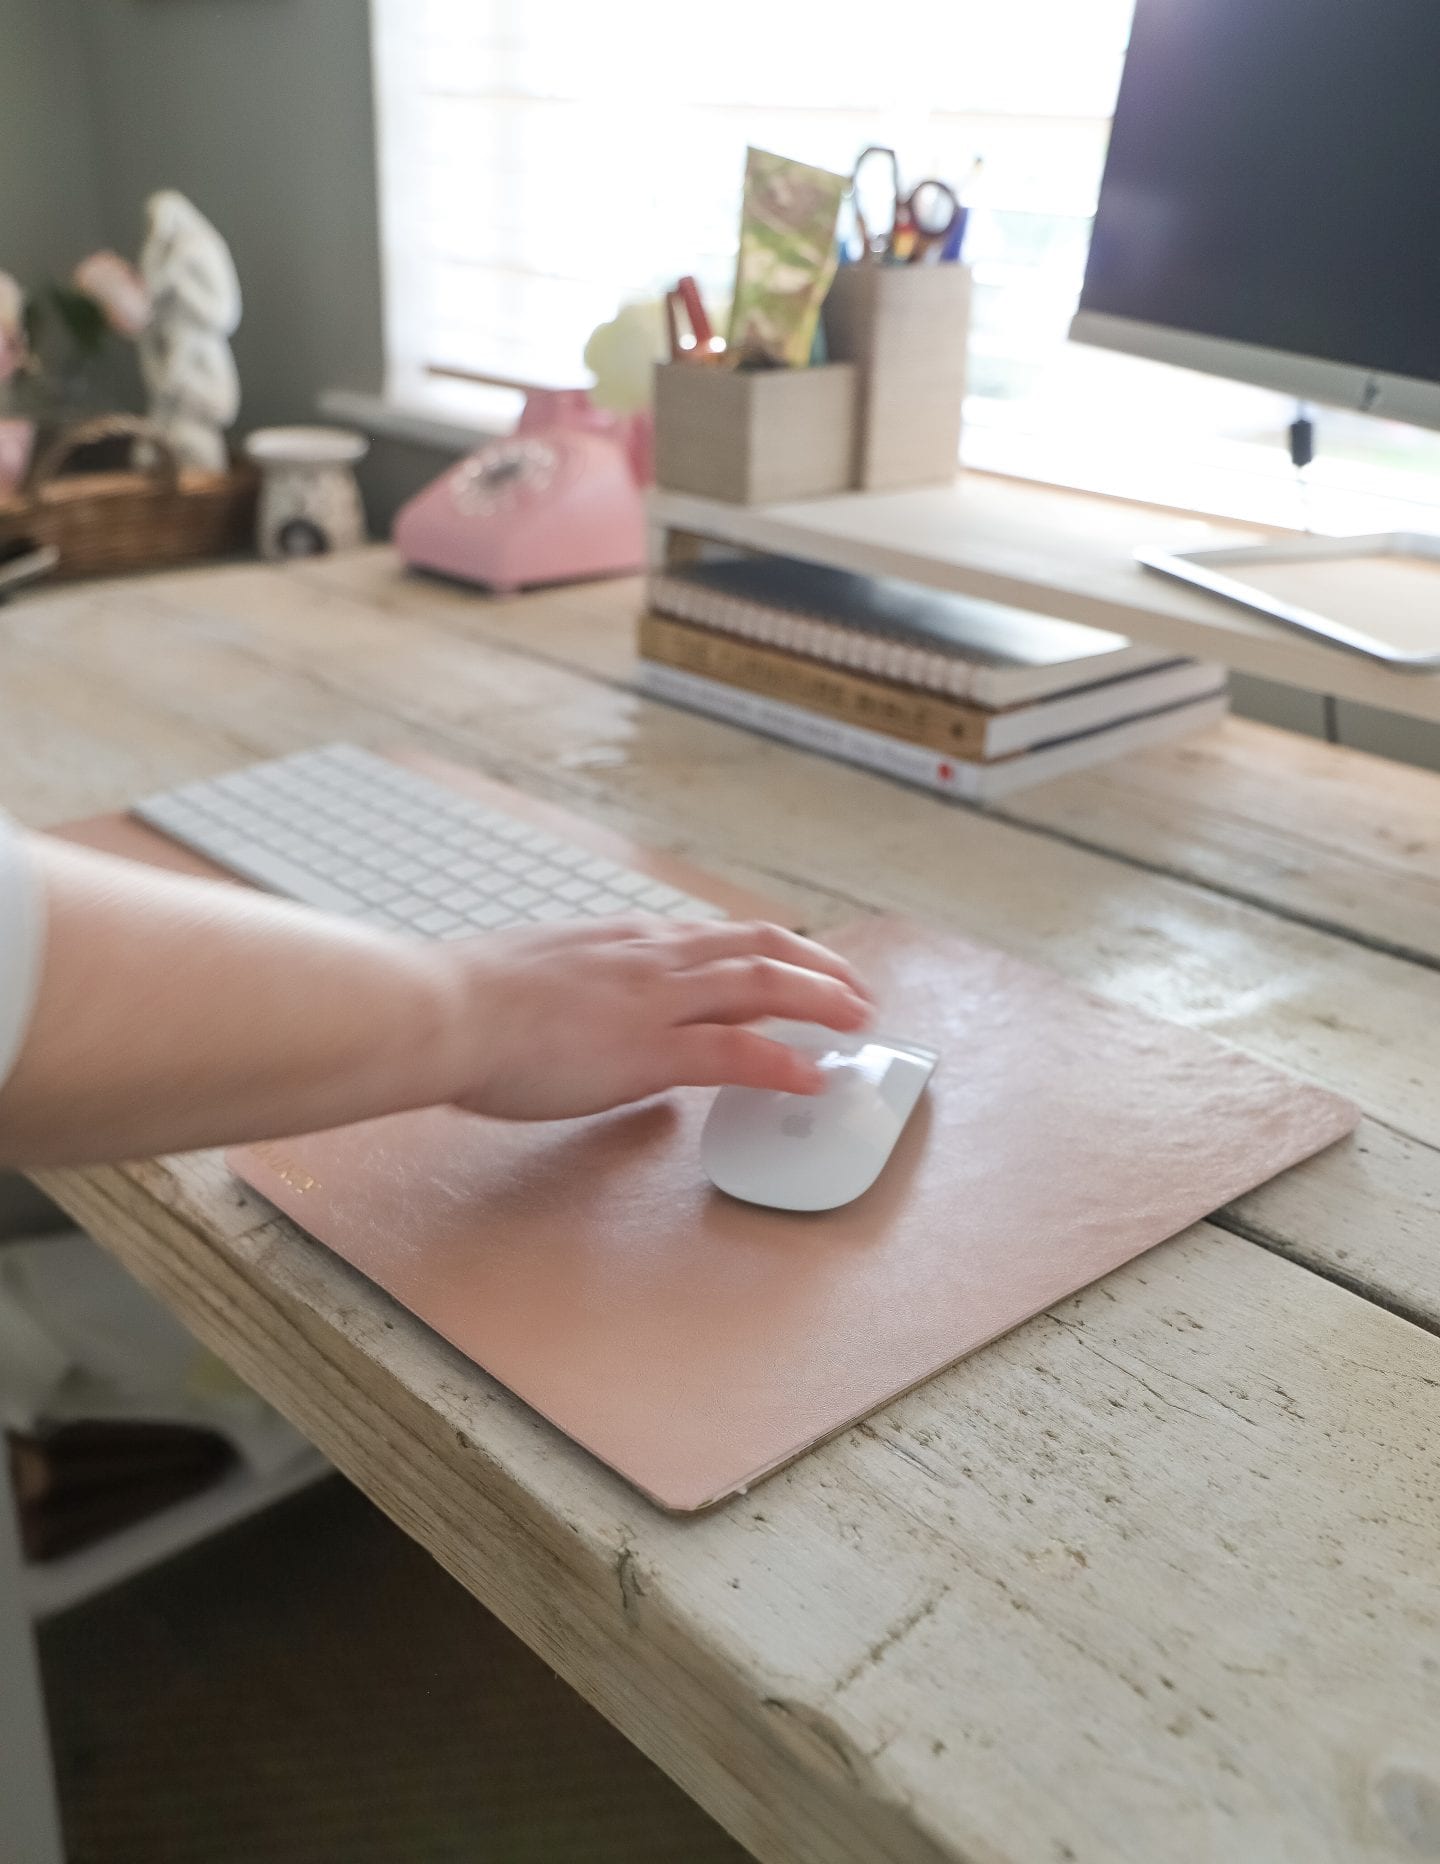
x,y
1270,209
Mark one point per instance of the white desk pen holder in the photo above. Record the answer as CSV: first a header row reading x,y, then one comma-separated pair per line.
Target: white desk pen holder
x,y
906,328
753,436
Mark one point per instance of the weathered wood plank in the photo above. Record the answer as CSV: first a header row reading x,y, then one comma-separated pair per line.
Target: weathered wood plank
x,y
1328,835
1152,1578
1366,1214
1334,837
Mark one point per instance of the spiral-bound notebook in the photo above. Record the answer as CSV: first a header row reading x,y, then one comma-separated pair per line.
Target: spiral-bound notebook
x,y
926,638
696,1344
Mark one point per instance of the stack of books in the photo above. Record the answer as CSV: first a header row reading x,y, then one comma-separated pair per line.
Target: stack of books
x,y
966,697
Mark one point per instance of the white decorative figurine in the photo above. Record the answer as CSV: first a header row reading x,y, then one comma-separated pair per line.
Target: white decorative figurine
x,y
185,353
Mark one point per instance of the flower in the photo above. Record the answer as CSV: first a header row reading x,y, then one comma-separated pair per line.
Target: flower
x,y
13,348
117,288
622,355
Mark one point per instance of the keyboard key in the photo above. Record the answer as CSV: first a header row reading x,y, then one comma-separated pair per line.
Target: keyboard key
x,y
536,841
274,872
379,892
437,922
660,899
575,858
503,828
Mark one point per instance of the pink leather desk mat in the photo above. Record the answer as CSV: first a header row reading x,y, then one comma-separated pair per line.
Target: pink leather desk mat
x,y
696,1344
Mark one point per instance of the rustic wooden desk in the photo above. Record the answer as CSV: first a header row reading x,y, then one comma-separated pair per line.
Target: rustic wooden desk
x,y
1154,1578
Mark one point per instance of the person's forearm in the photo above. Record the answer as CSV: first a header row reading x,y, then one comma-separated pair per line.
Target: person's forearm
x,y
175,1013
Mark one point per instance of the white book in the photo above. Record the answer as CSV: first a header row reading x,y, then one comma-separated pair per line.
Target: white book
x,y
1137,695
893,757
951,644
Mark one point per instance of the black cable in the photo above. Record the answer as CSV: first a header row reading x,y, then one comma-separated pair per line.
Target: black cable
x,y
1301,435
1302,439
1302,453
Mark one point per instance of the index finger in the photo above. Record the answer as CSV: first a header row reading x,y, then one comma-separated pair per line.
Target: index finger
x,y
705,943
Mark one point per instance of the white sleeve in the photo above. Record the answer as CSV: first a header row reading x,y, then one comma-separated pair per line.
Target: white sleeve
x,y
22,932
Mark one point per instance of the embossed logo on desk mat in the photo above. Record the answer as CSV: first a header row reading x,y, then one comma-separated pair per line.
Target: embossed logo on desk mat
x,y
696,1344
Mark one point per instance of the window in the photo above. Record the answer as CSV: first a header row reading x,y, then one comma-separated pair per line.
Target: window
x,y
543,161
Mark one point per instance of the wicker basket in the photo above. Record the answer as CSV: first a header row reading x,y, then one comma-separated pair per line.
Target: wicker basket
x,y
146,518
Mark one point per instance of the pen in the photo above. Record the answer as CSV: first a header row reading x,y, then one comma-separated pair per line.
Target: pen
x,y
955,239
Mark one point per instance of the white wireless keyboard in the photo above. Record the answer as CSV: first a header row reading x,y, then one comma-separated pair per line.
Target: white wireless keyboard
x,y
352,833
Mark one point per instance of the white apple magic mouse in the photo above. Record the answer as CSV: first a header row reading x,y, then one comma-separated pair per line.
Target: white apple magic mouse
x,y
804,1152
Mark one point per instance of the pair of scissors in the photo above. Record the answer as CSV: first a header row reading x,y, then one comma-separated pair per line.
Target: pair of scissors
x,y
920,220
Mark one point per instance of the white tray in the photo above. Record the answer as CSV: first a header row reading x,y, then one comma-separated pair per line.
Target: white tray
x,y
1377,595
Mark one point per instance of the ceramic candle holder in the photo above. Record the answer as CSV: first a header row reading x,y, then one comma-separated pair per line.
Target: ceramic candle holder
x,y
309,500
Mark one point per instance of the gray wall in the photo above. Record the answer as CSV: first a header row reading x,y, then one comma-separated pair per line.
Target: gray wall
x,y
260,111
49,191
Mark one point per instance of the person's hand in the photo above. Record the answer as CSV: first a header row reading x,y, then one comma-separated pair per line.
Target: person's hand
x,y
554,1023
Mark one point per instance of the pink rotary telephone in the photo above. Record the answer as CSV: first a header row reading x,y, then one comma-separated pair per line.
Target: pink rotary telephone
x,y
562,499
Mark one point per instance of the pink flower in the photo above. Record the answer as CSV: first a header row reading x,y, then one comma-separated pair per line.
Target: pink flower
x,y
12,327
117,288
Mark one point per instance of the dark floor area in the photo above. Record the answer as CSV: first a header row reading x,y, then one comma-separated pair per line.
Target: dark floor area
x,y
310,1688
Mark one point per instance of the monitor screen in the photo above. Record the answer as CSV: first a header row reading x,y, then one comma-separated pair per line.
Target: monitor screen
x,y
1274,179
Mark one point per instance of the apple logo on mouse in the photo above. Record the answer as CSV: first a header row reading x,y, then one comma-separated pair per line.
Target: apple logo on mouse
x,y
798,1125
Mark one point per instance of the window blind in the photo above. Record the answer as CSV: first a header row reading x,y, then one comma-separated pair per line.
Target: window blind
x,y
543,161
